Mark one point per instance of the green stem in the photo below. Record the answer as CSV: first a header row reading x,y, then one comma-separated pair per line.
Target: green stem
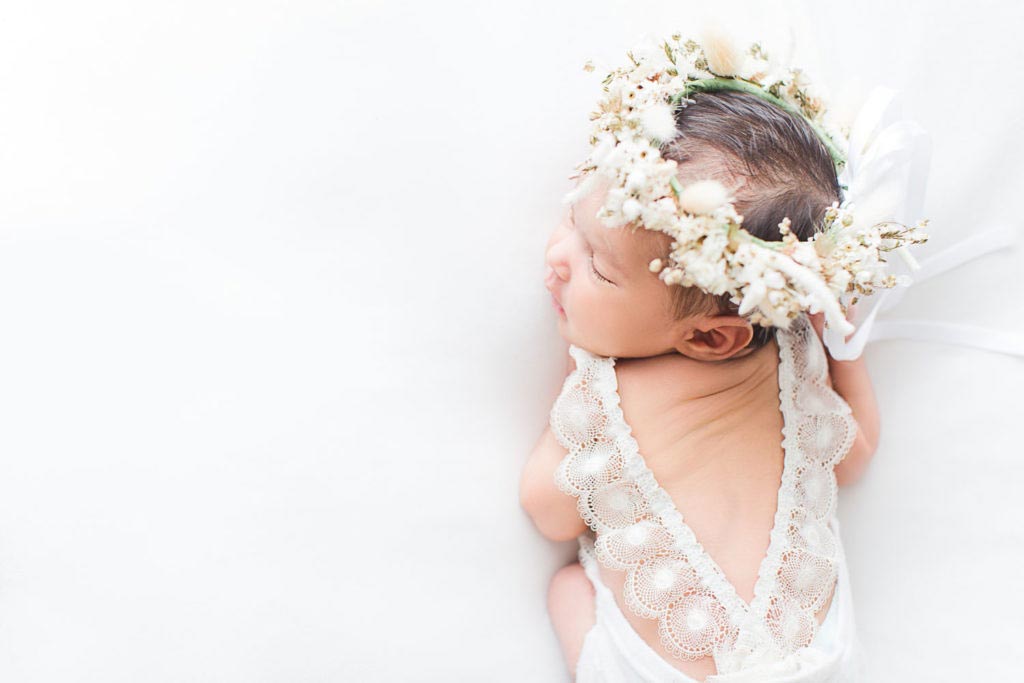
x,y
755,240
676,186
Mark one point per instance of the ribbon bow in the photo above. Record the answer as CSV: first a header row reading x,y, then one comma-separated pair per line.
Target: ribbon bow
x,y
885,176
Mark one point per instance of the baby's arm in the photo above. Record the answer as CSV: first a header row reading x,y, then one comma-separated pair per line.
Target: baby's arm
x,y
552,511
850,380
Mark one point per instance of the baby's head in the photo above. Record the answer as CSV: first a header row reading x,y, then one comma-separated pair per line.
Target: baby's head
x,y
612,304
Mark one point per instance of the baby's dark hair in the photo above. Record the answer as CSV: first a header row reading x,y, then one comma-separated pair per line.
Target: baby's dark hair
x,y
774,165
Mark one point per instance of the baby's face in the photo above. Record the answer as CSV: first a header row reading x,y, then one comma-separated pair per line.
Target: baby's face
x,y
608,300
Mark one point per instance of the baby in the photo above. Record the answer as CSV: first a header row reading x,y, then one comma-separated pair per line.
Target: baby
x,y
698,383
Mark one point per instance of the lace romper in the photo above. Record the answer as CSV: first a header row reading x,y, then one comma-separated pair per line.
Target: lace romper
x,y
669,575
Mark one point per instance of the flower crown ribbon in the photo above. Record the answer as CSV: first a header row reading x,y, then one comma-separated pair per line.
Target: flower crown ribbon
x,y
885,175
772,281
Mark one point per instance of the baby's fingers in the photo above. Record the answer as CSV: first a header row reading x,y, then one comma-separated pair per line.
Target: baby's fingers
x,y
818,322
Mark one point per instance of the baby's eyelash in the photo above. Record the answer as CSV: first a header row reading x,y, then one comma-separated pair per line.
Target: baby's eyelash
x,y
594,268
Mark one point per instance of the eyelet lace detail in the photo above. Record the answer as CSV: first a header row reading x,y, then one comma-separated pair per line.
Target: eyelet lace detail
x,y
639,530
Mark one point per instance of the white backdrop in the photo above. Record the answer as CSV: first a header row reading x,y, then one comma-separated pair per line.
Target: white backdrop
x,y
276,345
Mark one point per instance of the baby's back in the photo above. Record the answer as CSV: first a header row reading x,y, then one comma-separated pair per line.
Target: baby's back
x,y
720,458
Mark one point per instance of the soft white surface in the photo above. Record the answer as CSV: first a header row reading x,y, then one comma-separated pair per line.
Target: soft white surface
x,y
276,347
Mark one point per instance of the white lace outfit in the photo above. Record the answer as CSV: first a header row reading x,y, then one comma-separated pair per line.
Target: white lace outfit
x,y
669,575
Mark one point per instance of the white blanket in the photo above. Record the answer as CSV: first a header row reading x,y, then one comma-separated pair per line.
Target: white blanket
x,y
275,344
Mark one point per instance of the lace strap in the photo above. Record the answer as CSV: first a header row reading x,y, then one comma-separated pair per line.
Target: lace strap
x,y
637,526
801,566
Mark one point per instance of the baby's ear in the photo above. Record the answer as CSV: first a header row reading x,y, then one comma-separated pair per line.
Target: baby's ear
x,y
718,337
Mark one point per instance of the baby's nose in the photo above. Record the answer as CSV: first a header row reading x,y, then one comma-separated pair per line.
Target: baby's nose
x,y
555,271
555,257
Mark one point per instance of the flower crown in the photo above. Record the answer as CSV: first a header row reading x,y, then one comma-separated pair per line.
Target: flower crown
x,y
771,281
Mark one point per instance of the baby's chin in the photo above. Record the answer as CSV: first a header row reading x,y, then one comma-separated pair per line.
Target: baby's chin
x,y
570,337
566,332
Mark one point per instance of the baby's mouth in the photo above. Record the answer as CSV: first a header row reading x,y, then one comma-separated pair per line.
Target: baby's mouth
x,y
558,306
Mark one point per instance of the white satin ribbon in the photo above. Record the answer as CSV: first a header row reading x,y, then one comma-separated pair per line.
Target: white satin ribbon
x,y
886,174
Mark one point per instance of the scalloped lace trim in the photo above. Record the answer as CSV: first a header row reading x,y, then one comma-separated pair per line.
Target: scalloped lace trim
x,y
638,528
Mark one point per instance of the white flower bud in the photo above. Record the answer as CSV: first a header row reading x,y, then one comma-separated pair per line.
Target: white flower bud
x,y
703,197
774,280
606,143
631,209
655,265
636,180
658,122
755,294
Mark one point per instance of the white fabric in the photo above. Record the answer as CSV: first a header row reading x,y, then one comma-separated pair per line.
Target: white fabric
x,y
670,577
613,652
986,241
266,399
885,178
870,328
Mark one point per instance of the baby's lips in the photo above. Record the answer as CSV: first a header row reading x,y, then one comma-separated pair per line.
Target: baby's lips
x,y
549,279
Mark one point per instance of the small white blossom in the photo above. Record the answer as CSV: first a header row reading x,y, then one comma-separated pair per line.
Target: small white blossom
x,y
631,209
774,280
637,181
755,293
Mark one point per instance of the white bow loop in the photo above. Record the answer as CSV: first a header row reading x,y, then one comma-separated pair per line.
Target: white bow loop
x,y
885,178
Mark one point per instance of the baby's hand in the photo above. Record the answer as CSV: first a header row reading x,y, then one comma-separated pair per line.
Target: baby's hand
x,y
851,381
818,323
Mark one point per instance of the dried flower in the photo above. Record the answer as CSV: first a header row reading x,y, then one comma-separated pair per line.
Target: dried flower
x,y
703,196
771,281
723,58
659,122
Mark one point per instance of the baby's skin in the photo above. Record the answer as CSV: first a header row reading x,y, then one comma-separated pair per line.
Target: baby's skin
x,y
703,407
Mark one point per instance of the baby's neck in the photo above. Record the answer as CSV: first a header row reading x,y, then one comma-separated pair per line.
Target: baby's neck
x,y
708,399
713,381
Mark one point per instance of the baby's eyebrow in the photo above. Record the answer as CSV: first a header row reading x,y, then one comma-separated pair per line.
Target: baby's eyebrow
x,y
610,257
